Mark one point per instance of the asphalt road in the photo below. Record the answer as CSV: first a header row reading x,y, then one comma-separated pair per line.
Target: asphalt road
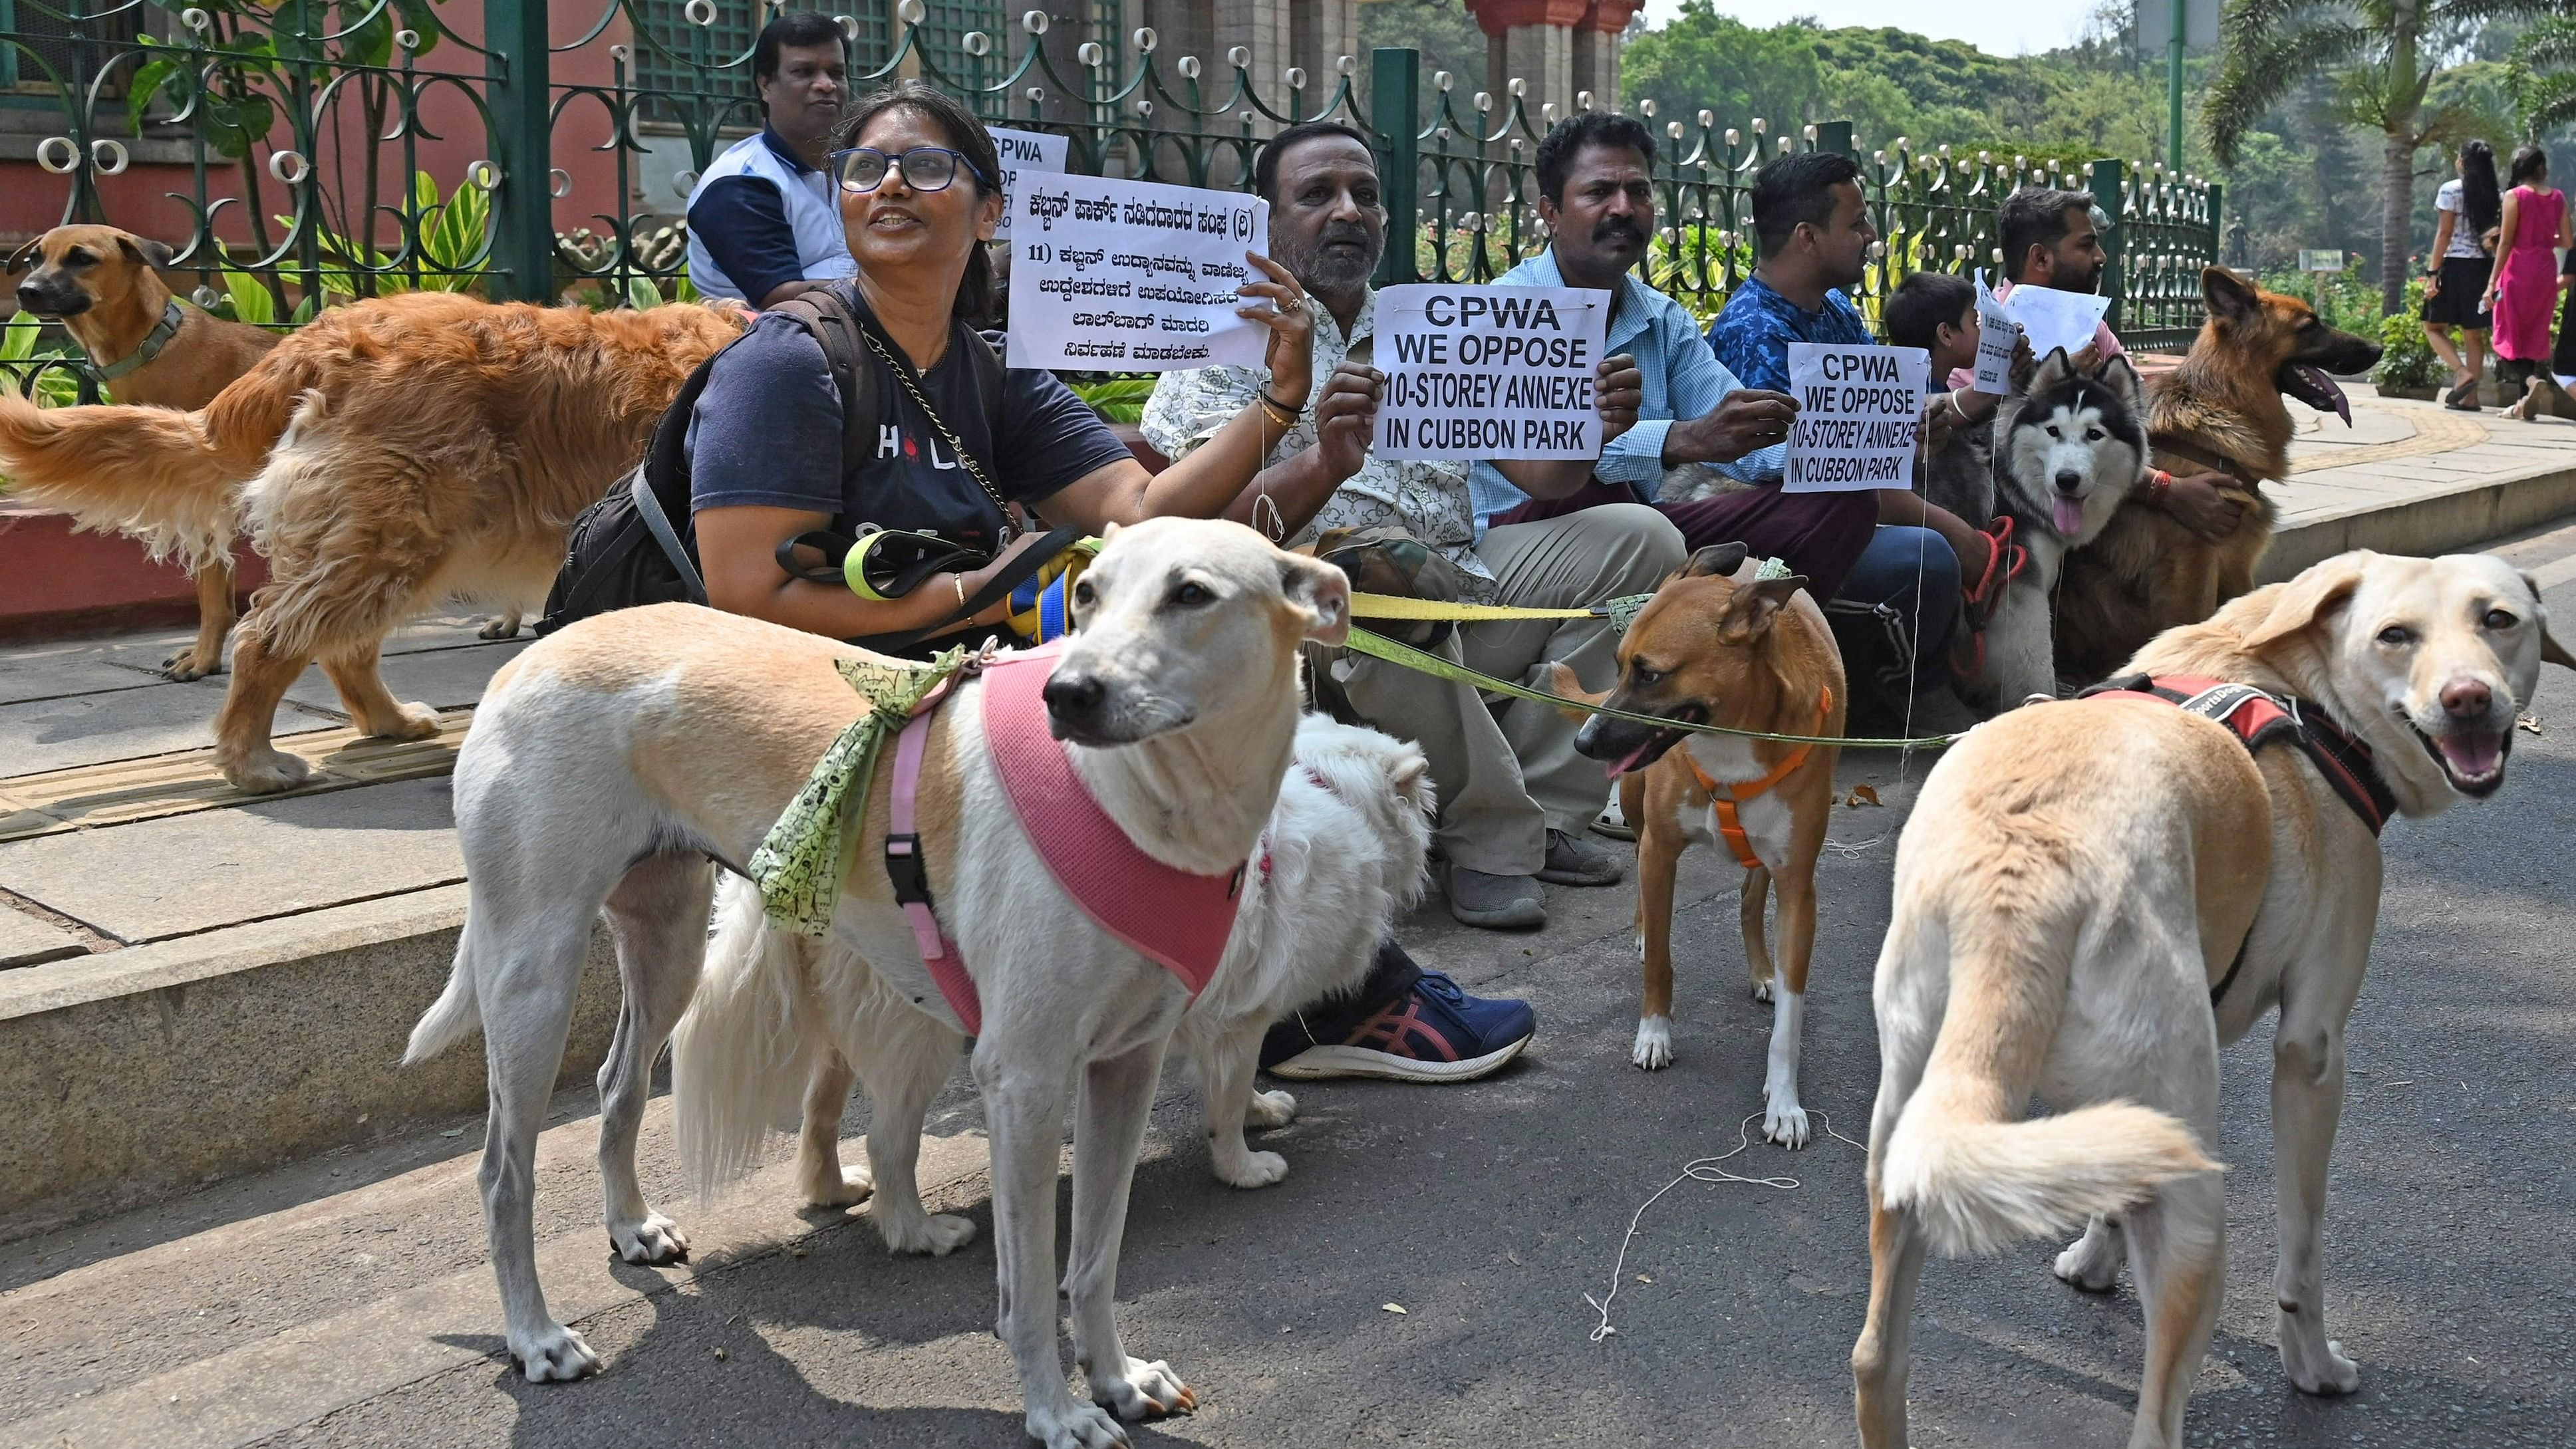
x,y
1488,1212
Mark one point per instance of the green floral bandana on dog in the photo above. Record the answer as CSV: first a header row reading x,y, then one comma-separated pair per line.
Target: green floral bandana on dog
x,y
800,863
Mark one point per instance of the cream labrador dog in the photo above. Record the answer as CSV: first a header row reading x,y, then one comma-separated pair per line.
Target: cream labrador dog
x,y
612,764
2092,895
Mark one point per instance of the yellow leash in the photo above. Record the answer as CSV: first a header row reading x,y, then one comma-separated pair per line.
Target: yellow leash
x,y
1377,646
1393,606
1619,611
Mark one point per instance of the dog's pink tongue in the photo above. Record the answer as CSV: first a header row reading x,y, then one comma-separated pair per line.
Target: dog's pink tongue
x,y
1630,763
2326,385
2472,756
2070,515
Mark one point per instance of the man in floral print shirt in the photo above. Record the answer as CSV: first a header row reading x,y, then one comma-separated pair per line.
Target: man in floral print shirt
x,y
1510,816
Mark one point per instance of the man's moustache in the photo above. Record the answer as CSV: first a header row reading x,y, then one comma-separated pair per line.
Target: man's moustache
x,y
1610,230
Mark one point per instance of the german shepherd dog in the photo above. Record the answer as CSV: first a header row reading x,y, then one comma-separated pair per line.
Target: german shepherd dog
x,y
103,285
2219,412
391,454
2067,449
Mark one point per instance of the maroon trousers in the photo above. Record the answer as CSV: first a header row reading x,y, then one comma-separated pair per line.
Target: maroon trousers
x,y
1820,535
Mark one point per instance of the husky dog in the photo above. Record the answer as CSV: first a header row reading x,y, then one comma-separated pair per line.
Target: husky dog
x,y
2068,449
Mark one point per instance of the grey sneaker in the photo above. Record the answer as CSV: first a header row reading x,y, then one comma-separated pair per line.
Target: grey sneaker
x,y
1575,861
1495,902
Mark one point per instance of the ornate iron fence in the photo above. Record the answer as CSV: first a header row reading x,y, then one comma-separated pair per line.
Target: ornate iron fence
x,y
306,149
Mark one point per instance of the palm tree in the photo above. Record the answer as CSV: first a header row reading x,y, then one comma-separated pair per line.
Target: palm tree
x,y
2541,76
2380,55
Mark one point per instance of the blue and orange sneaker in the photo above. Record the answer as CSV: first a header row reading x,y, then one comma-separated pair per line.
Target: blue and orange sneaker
x,y
1434,1032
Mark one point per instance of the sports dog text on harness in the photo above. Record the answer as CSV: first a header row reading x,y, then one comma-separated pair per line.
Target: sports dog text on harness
x,y
1177,919
2259,719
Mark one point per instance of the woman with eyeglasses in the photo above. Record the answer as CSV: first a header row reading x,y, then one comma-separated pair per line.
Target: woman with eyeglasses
x,y
771,457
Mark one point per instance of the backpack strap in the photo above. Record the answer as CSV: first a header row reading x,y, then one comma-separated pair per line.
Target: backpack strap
x,y
658,523
836,330
993,378
660,484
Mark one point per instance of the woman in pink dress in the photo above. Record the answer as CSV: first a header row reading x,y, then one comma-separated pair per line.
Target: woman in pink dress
x,y
2526,283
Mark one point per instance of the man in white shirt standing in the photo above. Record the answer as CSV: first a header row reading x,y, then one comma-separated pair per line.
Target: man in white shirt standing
x,y
765,219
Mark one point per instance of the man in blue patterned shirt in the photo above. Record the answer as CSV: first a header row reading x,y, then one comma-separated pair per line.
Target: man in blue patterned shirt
x,y
1895,609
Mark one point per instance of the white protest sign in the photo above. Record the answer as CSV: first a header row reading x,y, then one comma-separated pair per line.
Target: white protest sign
x,y
1858,409
1996,335
1023,151
1489,372
2056,319
1132,276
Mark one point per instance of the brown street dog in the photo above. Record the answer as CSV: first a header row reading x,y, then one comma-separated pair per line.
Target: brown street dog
x,y
1718,646
104,286
392,454
2219,412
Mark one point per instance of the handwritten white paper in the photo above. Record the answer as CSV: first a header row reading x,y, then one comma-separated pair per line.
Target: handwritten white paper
x,y
1132,276
1023,151
2056,319
1997,334
1489,372
1858,411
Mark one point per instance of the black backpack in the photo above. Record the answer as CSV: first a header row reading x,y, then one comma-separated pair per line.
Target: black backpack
x,y
638,545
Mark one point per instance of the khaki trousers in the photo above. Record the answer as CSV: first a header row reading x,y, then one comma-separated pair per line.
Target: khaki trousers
x,y
1508,773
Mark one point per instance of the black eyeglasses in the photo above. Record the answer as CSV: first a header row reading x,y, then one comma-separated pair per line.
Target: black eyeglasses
x,y
925,168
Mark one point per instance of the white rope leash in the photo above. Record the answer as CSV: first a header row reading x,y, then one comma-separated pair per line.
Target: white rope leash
x,y
1702,1169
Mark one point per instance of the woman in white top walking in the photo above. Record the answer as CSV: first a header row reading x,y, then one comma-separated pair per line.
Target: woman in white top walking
x,y
2455,284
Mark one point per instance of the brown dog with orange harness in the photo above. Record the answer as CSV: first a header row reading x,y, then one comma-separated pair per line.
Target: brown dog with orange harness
x,y
1721,646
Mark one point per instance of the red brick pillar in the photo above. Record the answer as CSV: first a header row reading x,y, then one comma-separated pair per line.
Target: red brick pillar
x,y
1597,38
1532,41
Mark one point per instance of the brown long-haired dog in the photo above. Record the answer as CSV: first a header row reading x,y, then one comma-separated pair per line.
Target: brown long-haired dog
x,y
102,285
2220,412
392,454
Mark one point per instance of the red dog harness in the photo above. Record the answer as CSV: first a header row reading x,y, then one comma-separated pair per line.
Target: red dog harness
x,y
2260,719
1174,918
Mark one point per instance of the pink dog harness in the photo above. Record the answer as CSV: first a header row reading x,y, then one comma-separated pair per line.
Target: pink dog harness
x,y
1177,919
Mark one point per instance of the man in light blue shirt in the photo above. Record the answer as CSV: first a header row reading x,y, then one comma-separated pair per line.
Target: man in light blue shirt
x,y
1597,197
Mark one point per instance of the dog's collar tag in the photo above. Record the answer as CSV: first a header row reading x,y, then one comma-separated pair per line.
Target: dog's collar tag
x,y
159,337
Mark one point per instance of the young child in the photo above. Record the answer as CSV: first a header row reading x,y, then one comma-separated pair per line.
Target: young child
x,y
1938,313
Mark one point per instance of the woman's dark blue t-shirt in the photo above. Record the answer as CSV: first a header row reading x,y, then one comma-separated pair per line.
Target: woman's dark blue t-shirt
x,y
767,433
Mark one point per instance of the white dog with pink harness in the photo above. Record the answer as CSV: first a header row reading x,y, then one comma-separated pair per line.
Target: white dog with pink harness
x,y
613,763
1173,917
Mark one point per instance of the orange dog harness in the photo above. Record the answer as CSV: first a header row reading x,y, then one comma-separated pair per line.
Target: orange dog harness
x,y
1725,797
